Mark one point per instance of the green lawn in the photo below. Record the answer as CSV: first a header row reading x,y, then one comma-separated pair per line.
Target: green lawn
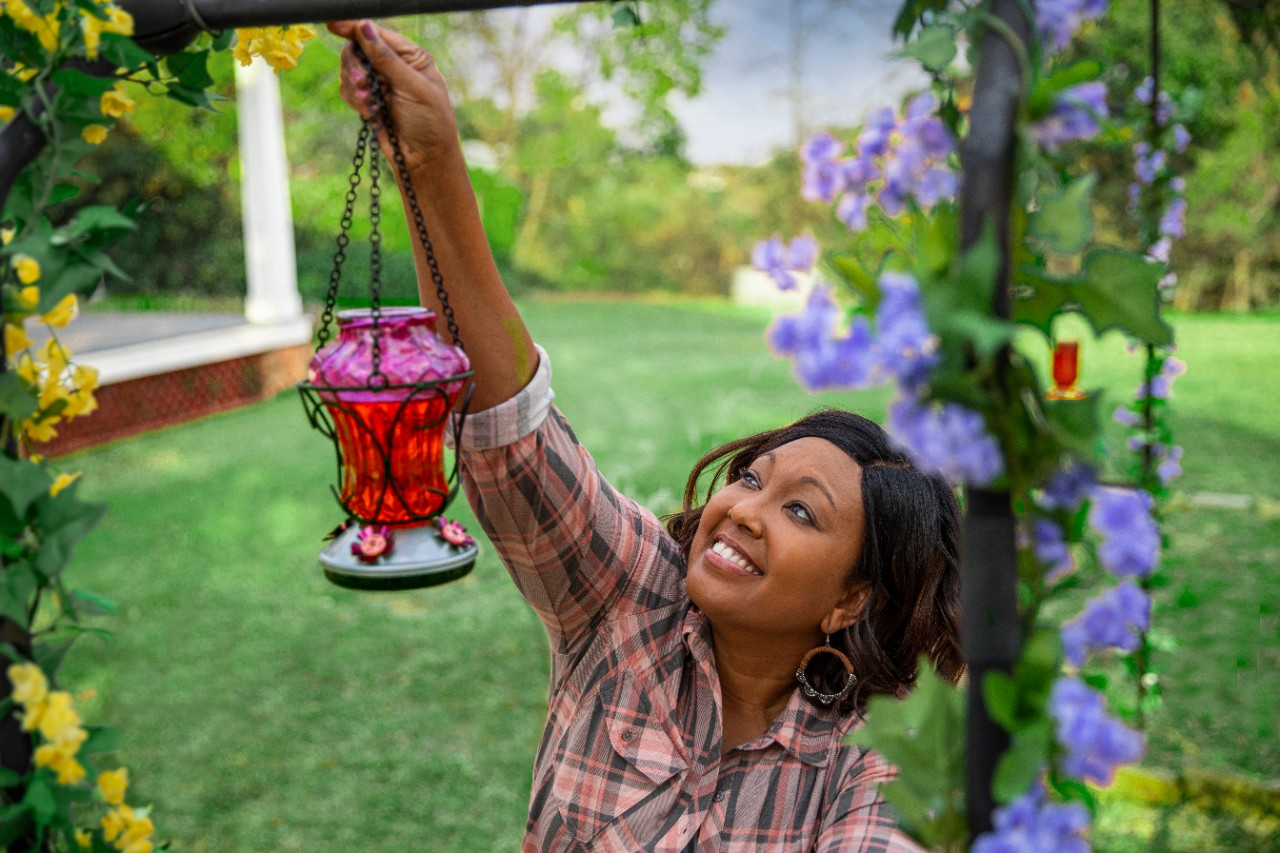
x,y
266,710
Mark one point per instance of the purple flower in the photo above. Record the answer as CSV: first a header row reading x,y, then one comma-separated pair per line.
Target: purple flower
x,y
770,257
857,172
1170,467
1111,620
946,438
1164,108
821,359
822,176
1031,824
1181,138
852,211
1159,250
1126,416
1096,743
1069,486
1130,537
1161,385
1051,549
935,185
1076,114
1147,163
1058,20
1172,223
906,344
874,139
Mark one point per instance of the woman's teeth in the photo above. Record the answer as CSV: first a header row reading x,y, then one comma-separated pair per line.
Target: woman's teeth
x,y
734,557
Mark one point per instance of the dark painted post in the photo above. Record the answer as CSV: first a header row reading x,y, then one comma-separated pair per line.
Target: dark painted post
x,y
991,633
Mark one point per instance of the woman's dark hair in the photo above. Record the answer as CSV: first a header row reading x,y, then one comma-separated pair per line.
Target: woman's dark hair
x,y
910,557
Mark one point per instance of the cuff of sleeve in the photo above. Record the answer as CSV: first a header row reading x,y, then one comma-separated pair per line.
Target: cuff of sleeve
x,y
510,420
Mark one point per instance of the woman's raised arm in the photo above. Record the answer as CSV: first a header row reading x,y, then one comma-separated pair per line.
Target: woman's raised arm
x,y
496,340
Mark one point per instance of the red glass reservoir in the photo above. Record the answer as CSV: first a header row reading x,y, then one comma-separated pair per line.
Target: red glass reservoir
x,y
390,428
1066,369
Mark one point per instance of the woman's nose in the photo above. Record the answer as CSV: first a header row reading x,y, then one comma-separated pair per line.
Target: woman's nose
x,y
747,515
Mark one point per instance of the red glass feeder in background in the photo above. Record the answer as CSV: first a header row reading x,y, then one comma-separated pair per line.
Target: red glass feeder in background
x,y
383,392
1066,369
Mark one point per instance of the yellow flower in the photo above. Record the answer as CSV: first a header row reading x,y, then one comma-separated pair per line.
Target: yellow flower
x,y
39,431
83,838
27,370
28,297
62,481
115,102
117,21
55,356
113,784
59,720
6,235
6,113
279,46
94,134
15,339
142,845
28,269
45,29
64,312
113,822
61,760
30,687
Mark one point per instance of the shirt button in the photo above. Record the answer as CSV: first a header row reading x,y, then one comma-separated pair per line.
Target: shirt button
x,y
719,796
628,734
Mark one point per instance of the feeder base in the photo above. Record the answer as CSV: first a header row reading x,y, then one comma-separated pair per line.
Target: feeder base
x,y
419,558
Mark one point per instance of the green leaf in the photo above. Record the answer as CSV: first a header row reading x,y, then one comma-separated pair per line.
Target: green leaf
x,y
64,521
1047,87
912,12
14,821
93,604
624,16
9,777
124,51
934,48
16,401
1022,762
103,739
76,82
41,800
1115,290
191,68
50,654
18,583
22,482
1074,422
98,217
1064,220
1000,694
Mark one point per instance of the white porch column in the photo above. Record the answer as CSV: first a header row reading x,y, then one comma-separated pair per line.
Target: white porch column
x,y
266,211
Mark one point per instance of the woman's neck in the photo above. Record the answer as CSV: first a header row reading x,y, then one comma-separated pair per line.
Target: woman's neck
x,y
756,682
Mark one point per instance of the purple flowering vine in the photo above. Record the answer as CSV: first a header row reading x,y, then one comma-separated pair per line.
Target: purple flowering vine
x,y
1161,385
1033,824
1095,742
1130,537
824,358
1068,487
1051,549
1110,620
1057,21
1077,114
781,262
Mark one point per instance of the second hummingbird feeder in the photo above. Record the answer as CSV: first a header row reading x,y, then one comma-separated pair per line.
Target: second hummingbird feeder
x,y
384,391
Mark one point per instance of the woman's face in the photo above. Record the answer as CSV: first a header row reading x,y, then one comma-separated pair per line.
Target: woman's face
x,y
773,549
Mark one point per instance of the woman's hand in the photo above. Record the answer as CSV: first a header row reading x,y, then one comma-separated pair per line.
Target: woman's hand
x,y
412,87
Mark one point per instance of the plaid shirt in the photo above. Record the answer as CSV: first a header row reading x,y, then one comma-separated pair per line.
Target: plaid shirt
x,y
630,759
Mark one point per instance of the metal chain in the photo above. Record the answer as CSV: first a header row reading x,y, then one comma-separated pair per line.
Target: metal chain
x,y
415,209
373,123
344,239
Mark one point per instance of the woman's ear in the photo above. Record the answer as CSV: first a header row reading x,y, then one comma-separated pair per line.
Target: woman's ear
x,y
848,609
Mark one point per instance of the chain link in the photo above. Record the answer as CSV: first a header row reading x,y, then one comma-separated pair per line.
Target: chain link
x,y
344,239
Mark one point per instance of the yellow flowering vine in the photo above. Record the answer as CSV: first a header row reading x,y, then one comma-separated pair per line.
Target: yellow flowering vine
x,y
279,46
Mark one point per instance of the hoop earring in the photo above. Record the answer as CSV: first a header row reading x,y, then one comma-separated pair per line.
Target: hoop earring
x,y
826,698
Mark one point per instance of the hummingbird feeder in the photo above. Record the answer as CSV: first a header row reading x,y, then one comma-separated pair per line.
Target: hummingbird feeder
x,y
383,391
1066,369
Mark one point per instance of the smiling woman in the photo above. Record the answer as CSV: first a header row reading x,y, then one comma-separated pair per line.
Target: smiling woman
x,y
683,714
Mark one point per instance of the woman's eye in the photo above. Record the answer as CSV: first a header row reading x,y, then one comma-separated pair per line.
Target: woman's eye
x,y
801,512
750,479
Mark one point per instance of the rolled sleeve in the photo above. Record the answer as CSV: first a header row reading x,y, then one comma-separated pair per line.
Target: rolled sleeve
x,y
511,420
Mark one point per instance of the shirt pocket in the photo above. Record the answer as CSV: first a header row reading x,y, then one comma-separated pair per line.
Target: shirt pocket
x,y
616,755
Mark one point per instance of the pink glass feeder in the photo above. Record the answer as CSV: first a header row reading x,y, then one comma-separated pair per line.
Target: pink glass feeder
x,y
383,391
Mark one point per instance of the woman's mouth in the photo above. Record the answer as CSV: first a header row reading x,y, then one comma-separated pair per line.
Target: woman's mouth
x,y
728,558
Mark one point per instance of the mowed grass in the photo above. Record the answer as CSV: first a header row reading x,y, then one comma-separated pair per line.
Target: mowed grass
x,y
266,710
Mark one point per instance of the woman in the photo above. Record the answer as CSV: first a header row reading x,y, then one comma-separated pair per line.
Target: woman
x,y
703,675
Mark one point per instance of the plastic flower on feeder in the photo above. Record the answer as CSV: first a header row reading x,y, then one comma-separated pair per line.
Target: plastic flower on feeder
x,y
1111,620
371,543
1077,114
454,533
1032,824
1130,536
1096,743
770,256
